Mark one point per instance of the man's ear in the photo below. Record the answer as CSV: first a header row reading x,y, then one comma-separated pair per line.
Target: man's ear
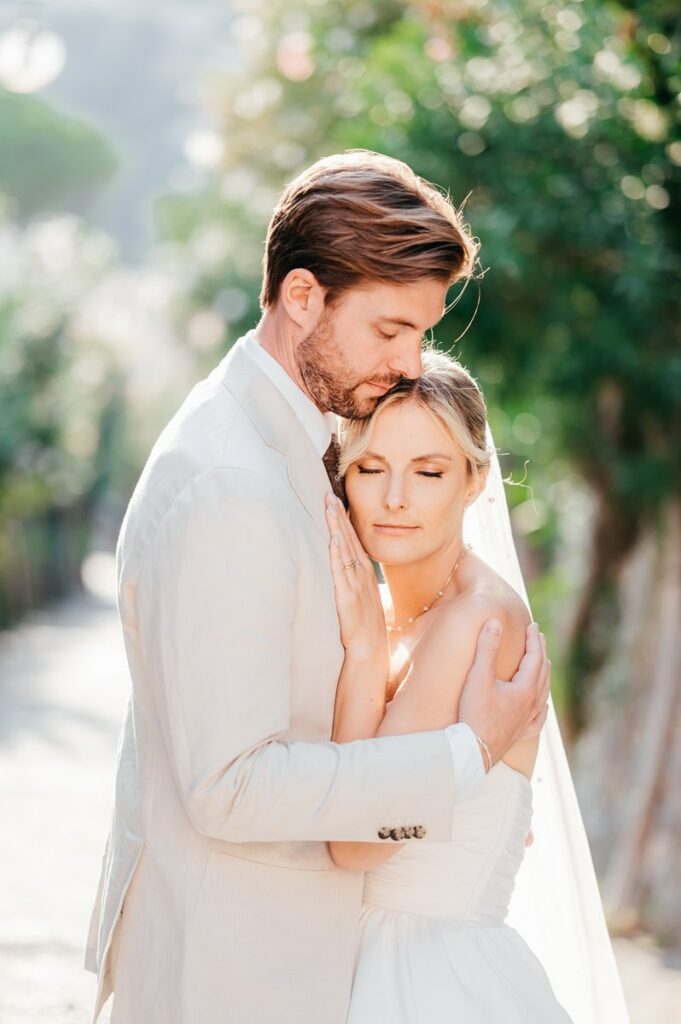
x,y
302,296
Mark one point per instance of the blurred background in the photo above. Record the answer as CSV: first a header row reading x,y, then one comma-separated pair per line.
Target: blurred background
x,y
142,149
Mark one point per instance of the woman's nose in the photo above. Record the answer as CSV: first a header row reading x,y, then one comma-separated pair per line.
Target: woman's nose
x,y
394,498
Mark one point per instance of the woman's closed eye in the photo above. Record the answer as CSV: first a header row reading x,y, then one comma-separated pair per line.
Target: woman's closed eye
x,y
437,474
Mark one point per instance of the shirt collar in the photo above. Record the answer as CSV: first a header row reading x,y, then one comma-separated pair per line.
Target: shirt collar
x,y
318,426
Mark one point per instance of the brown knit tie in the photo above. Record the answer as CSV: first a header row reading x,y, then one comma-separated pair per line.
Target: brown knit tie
x,y
331,459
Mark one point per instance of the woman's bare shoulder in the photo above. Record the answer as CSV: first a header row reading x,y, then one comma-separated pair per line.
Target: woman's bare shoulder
x,y
429,696
486,586
489,598
486,600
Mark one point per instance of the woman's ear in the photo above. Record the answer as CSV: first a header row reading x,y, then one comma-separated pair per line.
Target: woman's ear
x,y
476,486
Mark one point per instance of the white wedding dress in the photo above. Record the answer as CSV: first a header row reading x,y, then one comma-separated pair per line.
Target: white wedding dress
x,y
434,947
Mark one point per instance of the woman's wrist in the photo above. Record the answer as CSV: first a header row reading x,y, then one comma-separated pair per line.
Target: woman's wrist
x,y
367,661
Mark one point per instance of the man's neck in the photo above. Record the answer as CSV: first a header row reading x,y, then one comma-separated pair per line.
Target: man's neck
x,y
275,334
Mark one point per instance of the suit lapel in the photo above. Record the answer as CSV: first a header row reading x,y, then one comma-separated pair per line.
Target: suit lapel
x,y
307,476
280,428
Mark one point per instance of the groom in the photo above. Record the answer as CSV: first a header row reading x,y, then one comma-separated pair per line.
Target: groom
x,y
218,901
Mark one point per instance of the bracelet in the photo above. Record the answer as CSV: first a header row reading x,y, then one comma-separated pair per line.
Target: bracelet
x,y
486,756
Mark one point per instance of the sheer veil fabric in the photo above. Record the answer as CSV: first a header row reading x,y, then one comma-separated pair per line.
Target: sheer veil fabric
x,y
556,905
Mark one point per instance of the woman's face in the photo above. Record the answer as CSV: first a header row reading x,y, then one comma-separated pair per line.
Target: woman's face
x,y
408,492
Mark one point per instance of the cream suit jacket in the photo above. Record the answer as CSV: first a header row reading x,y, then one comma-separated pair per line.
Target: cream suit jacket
x,y
218,902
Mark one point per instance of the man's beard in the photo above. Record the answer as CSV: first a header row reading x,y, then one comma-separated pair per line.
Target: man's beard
x,y
330,381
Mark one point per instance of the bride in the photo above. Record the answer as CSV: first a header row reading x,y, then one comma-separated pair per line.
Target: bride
x,y
434,944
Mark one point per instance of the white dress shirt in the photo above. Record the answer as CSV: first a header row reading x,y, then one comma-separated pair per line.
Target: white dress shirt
x,y
319,426
466,755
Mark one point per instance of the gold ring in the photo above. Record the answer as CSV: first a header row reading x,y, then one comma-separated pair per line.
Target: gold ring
x,y
348,565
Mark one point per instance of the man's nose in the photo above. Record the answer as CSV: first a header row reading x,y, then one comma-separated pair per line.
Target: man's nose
x,y
408,361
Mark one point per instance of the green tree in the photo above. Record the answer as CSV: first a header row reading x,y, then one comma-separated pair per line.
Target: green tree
x,y
60,404
560,123
47,157
60,392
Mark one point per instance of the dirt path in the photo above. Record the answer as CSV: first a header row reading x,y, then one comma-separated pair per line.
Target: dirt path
x,y
63,689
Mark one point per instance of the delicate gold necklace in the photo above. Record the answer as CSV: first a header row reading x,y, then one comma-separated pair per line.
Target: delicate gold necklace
x,y
427,607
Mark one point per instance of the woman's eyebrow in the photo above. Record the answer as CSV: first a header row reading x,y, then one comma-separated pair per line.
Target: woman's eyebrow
x,y
419,458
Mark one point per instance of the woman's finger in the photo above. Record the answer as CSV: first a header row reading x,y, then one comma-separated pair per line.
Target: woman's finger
x,y
340,578
353,539
350,543
347,556
359,547
334,555
348,532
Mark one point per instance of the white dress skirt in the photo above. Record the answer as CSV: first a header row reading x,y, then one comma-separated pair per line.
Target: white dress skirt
x,y
434,947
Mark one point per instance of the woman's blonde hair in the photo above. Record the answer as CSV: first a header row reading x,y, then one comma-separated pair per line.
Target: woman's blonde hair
x,y
447,390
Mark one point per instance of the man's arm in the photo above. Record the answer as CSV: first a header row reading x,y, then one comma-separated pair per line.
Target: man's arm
x,y
216,601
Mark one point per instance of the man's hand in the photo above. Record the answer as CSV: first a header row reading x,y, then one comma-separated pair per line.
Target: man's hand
x,y
503,713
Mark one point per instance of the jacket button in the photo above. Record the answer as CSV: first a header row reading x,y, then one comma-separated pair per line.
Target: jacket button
x,y
397,834
419,831
384,833
409,832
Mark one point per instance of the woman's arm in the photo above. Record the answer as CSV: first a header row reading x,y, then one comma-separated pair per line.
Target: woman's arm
x,y
360,698
360,694
429,696
427,699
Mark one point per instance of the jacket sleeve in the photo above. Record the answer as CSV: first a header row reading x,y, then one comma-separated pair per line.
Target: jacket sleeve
x,y
216,600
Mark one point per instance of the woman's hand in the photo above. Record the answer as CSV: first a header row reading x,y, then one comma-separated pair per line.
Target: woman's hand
x,y
358,598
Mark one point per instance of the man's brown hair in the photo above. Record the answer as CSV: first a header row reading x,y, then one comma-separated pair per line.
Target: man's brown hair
x,y
362,216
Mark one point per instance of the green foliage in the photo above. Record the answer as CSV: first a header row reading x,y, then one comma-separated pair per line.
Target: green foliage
x,y
559,122
59,398
59,390
46,157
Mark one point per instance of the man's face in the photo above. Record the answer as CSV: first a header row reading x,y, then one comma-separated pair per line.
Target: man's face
x,y
366,342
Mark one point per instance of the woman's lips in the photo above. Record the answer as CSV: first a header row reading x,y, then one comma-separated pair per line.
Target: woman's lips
x,y
394,528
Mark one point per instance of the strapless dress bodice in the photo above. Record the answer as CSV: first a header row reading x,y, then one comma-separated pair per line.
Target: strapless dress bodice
x,y
472,877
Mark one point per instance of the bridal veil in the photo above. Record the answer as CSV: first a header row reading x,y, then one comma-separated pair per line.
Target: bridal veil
x,y
556,905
